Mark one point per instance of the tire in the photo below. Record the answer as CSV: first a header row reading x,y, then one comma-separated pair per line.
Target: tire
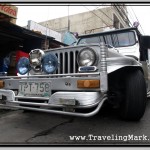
x,y
135,96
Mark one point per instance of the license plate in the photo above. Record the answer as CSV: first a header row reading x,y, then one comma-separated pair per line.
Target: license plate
x,y
36,89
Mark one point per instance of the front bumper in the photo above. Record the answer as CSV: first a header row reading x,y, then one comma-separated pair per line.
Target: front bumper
x,y
55,104
65,102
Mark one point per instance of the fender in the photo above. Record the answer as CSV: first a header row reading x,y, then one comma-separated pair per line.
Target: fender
x,y
116,61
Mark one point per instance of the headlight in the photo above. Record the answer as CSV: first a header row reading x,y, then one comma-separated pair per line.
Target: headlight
x,y
23,65
49,63
86,57
35,58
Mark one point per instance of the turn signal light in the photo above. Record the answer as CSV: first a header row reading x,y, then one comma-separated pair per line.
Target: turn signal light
x,y
88,83
1,84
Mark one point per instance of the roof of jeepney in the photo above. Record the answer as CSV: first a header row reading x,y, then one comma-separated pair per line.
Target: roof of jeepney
x,y
108,32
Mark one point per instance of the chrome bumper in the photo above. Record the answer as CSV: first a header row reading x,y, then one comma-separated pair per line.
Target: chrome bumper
x,y
68,102
57,100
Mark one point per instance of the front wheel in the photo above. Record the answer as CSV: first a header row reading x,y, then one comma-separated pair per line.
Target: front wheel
x,y
134,96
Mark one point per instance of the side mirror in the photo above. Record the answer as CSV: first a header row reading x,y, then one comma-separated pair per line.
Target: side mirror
x,y
145,42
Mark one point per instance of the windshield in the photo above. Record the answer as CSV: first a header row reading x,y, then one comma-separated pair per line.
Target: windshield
x,y
114,39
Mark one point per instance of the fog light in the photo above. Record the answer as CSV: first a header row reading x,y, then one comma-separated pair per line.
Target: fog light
x,y
49,63
88,83
23,65
35,58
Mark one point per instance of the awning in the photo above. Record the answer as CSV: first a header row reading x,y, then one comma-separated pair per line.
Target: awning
x,y
11,31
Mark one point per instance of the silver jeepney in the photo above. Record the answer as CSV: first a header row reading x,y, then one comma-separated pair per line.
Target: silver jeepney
x,y
71,87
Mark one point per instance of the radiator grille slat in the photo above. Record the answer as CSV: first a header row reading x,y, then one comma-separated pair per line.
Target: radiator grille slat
x,y
63,61
74,62
58,71
68,62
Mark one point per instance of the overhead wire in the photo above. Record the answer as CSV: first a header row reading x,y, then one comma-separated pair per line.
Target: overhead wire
x,y
113,8
46,23
68,19
137,20
105,14
46,26
127,16
121,14
69,25
97,16
97,8
130,15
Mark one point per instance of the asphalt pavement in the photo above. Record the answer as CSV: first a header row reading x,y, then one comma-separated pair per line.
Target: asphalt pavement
x,y
35,128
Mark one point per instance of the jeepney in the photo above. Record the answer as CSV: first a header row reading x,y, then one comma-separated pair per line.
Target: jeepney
x,y
77,80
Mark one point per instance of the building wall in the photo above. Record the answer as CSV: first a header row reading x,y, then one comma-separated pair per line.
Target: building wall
x,y
88,22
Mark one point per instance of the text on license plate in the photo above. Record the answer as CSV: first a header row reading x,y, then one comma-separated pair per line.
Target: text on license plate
x,y
41,89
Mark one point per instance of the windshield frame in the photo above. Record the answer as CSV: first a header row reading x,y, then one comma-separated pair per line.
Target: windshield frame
x,y
110,35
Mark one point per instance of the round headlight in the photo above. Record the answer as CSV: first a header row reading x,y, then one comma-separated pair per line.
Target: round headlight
x,y
86,57
49,63
35,58
23,65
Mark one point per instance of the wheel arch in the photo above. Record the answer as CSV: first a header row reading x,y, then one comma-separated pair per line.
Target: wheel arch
x,y
117,75
125,68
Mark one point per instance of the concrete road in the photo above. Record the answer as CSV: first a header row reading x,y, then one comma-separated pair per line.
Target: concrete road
x,y
19,127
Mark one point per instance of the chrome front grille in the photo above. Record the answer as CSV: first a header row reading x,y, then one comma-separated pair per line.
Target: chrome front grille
x,y
67,62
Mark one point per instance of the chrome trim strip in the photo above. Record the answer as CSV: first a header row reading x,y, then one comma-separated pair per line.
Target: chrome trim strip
x,y
51,105
50,75
103,63
35,104
95,68
34,98
103,52
63,112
